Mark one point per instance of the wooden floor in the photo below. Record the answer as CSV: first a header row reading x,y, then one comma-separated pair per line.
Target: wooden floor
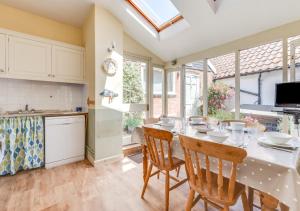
x,y
111,186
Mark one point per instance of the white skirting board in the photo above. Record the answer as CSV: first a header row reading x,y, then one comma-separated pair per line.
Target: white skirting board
x,y
63,162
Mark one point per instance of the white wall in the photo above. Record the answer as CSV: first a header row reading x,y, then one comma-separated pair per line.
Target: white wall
x,y
15,94
250,83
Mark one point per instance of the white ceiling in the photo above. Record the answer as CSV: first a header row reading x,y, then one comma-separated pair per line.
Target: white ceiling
x,y
233,20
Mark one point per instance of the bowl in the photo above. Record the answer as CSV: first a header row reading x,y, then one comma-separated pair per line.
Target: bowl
x,y
203,129
278,138
196,120
237,125
217,136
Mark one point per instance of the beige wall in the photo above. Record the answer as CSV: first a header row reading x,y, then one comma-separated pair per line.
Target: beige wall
x,y
278,33
100,30
25,22
89,43
132,46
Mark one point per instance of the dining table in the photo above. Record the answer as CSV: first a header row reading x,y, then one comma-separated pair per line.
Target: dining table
x,y
273,171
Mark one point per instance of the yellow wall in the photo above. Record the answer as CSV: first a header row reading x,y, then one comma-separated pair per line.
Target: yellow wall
x,y
25,22
278,33
132,46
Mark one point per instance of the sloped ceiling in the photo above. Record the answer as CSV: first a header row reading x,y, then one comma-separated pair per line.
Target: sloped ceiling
x,y
234,19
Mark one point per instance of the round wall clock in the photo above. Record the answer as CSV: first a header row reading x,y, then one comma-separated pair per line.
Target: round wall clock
x,y
110,66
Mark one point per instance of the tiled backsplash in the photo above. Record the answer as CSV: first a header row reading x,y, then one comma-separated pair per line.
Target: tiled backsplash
x,y
15,94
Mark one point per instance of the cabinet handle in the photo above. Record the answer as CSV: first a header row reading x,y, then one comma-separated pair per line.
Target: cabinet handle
x,y
53,76
49,75
1,70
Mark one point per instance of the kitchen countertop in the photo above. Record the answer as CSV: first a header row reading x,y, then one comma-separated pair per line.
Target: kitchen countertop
x,y
45,114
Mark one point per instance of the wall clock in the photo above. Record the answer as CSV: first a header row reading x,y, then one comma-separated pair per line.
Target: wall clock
x,y
110,66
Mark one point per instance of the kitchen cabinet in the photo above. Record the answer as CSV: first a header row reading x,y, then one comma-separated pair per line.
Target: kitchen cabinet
x,y
29,58
68,63
34,58
2,54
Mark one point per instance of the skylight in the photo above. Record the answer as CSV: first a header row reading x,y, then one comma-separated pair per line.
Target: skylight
x,y
159,13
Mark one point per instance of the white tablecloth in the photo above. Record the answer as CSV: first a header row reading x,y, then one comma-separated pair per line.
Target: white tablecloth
x,y
269,170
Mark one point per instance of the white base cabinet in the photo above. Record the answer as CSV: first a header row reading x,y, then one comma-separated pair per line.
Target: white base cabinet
x,y
64,140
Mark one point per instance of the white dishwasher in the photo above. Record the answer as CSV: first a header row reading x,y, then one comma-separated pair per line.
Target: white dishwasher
x,y
64,140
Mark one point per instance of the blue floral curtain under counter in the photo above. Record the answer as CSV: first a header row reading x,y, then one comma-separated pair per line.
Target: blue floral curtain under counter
x,y
21,144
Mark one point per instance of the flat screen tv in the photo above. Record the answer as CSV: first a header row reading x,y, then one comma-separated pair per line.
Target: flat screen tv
x,y
287,95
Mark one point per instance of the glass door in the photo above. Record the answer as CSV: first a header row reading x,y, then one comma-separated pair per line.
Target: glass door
x,y
135,95
193,92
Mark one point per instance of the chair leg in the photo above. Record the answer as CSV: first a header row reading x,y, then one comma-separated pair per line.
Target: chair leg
x,y
167,187
226,208
146,180
178,171
189,203
205,205
250,198
245,202
283,207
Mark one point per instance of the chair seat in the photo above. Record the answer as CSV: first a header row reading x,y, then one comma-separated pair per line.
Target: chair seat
x,y
176,163
239,188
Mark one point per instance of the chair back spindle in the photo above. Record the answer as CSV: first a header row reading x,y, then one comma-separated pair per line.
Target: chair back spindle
x,y
159,146
198,152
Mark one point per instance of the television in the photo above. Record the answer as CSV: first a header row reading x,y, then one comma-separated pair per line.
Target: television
x,y
287,95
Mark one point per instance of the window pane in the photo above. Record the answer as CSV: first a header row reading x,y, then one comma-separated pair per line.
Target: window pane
x,y
297,56
157,91
193,92
173,98
221,87
261,69
158,11
134,82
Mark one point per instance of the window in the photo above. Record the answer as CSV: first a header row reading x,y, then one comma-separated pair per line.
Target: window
x,y
171,78
261,69
221,87
174,93
159,13
157,81
157,91
193,92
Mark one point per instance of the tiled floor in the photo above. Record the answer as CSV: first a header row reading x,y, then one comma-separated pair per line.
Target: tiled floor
x,y
111,186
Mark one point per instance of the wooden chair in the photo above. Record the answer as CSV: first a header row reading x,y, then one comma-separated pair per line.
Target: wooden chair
x,y
213,188
267,202
159,148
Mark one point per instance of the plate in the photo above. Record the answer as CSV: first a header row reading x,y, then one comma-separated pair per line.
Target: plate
x,y
294,143
203,129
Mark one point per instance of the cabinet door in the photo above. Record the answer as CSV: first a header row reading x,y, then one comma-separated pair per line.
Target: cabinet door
x,y
2,54
29,59
68,64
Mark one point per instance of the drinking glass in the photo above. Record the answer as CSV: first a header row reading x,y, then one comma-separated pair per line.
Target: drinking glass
x,y
237,137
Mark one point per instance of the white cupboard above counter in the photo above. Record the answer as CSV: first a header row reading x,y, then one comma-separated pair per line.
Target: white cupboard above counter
x,y
28,57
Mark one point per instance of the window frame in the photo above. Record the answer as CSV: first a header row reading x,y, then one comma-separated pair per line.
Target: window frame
x,y
157,28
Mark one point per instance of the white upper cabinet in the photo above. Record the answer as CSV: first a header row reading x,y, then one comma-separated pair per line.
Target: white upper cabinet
x,y
29,58
33,58
2,53
68,63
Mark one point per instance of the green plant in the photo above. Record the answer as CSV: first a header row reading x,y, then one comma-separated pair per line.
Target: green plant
x,y
132,120
132,85
217,94
222,115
